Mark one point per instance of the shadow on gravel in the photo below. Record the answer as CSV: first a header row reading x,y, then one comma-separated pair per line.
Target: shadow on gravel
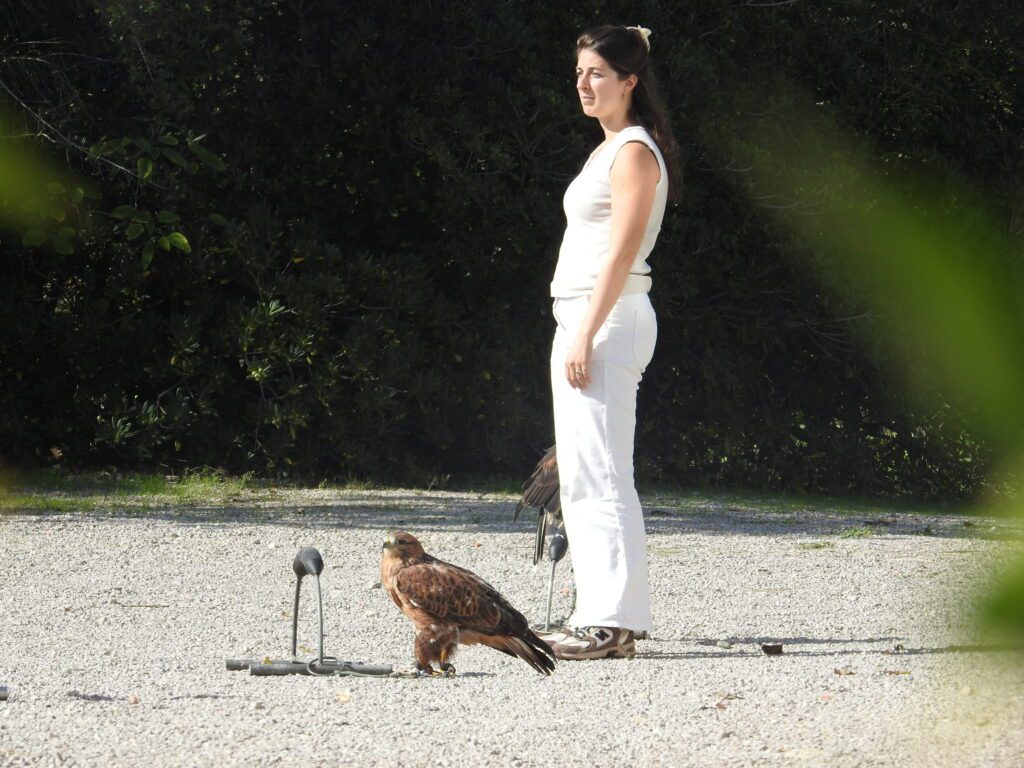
x,y
974,648
425,513
754,651
805,640
89,696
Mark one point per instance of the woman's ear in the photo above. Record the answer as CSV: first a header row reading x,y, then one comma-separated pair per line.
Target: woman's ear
x,y
631,82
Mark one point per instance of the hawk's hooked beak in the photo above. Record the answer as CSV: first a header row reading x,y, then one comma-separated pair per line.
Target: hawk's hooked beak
x,y
389,543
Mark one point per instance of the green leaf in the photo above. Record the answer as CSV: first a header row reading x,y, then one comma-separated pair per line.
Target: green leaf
x,y
56,212
164,243
102,148
168,217
76,195
123,211
62,242
55,188
207,157
34,237
180,242
217,219
145,168
168,139
175,157
147,255
144,216
134,230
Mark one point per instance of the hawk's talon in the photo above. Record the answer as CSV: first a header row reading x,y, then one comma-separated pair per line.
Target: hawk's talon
x,y
426,671
448,669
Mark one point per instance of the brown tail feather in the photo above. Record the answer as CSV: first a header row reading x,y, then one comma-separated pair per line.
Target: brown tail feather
x,y
528,647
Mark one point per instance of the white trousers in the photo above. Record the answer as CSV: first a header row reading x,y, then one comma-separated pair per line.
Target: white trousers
x,y
594,433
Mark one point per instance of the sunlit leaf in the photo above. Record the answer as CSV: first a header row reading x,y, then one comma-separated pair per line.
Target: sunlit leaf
x,y
180,242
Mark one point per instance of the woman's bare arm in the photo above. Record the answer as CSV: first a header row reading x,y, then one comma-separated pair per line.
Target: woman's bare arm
x,y
634,176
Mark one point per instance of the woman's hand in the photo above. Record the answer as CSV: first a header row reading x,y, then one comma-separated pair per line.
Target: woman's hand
x,y
577,362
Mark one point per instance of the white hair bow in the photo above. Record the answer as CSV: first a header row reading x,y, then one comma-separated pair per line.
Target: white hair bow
x,y
644,33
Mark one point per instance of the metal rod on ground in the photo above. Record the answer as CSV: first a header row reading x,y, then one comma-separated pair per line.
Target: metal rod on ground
x,y
308,562
320,608
556,551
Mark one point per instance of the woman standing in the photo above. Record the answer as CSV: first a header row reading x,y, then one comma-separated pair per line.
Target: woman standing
x,y
605,336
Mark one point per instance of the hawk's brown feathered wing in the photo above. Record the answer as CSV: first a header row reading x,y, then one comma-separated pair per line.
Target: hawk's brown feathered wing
x,y
541,490
451,605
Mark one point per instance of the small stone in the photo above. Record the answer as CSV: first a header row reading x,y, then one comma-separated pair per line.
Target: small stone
x,y
724,644
966,691
133,699
772,649
259,705
344,696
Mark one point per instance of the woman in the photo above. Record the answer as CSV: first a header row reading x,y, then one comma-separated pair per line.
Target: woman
x,y
606,330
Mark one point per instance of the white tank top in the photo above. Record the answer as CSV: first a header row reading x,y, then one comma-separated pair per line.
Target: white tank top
x,y
588,213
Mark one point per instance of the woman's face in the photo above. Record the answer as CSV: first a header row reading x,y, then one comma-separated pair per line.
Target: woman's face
x,y
602,92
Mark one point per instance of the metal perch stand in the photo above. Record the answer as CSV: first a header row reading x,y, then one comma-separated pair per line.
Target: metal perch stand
x,y
308,562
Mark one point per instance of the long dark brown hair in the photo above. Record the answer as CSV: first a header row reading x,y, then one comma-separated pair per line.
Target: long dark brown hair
x,y
626,52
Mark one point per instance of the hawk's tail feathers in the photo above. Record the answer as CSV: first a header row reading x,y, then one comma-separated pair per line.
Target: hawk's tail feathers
x,y
527,647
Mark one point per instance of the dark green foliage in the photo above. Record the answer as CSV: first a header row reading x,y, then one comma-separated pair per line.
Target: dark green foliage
x,y
331,254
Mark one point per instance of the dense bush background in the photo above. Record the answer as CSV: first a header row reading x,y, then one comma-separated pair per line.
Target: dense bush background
x,y
329,254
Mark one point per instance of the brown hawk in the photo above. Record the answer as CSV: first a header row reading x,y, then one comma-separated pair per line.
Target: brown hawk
x,y
450,605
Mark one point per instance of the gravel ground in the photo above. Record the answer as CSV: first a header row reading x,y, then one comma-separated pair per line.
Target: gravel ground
x,y
116,623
